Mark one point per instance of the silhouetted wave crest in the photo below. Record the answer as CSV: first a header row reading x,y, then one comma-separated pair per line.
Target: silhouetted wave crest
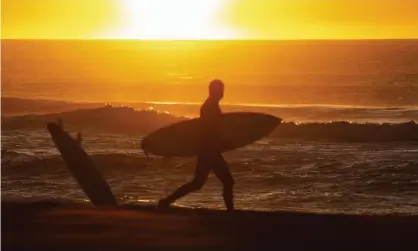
x,y
129,121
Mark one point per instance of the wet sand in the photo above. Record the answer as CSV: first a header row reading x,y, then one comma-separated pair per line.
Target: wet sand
x,y
51,226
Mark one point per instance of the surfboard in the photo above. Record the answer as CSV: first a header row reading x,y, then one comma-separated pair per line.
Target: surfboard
x,y
182,139
82,167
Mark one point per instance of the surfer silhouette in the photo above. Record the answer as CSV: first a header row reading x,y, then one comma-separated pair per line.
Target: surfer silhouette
x,y
209,157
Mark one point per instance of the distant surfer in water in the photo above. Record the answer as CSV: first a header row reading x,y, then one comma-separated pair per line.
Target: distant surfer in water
x,y
210,157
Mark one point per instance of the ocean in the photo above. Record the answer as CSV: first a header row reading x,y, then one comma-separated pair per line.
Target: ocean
x,y
348,144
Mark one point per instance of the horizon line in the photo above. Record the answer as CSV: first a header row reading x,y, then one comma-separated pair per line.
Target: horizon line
x,y
245,104
208,40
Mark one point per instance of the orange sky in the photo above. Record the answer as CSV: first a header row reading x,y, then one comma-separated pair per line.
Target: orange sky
x,y
210,19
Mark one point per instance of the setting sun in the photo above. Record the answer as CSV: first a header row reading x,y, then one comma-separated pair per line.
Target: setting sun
x,y
209,19
167,19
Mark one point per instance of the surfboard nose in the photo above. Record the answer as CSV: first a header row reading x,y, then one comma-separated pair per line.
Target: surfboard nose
x,y
274,118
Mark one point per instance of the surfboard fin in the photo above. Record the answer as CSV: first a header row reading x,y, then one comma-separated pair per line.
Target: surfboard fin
x,y
60,123
79,138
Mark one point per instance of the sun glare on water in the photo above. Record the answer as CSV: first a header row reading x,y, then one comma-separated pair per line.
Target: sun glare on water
x,y
173,19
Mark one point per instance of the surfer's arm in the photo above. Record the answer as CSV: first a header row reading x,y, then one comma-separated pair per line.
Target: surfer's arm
x,y
213,138
210,134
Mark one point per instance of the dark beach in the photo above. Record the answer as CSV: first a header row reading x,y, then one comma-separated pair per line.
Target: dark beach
x,y
52,226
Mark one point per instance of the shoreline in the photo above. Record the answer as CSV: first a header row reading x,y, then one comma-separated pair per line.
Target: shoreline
x,y
51,226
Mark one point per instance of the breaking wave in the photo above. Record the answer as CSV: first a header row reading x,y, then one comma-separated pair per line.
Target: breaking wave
x,y
130,121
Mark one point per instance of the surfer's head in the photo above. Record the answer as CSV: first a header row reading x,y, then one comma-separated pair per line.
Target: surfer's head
x,y
216,89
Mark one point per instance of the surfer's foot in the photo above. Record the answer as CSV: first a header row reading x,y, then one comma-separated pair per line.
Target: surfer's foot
x,y
163,204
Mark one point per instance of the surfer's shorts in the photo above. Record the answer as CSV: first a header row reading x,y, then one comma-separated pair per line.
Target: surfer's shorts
x,y
215,163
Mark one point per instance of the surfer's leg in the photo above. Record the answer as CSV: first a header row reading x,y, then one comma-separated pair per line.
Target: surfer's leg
x,y
224,175
201,175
